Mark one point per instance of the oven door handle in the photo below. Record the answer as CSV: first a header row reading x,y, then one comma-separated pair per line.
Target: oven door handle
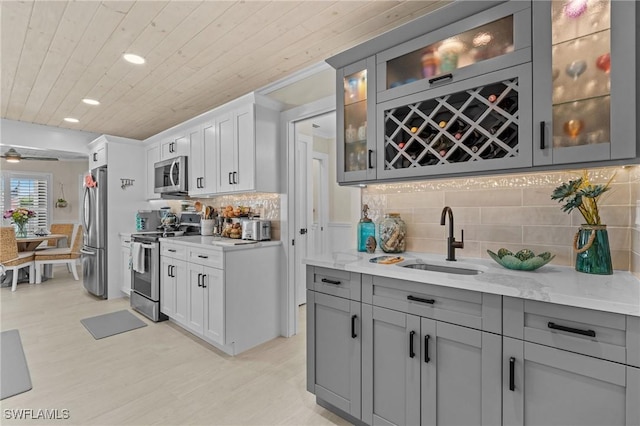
x,y
148,246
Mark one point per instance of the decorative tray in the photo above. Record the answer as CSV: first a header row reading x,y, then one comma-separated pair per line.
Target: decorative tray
x,y
386,260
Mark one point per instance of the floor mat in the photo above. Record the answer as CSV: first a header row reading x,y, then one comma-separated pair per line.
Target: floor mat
x,y
110,324
14,372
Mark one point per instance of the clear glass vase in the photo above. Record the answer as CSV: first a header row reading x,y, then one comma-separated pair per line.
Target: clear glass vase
x,y
21,230
593,255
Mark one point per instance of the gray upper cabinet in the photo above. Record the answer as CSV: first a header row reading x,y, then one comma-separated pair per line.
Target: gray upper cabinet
x,y
333,351
585,85
356,105
493,39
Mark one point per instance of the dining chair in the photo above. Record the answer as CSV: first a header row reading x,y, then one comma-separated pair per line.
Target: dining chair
x,y
60,228
67,255
12,259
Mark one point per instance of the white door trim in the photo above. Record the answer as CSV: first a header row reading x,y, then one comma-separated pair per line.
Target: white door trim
x,y
323,188
288,118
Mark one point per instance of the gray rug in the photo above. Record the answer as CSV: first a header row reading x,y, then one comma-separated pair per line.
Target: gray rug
x,y
14,372
110,324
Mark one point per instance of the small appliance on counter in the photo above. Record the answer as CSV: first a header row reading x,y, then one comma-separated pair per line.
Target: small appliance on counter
x,y
148,220
190,223
256,230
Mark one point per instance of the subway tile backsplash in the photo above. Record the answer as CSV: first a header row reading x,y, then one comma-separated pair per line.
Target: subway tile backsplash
x,y
514,212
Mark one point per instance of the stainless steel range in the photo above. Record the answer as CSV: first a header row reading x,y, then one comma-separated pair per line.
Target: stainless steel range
x,y
145,259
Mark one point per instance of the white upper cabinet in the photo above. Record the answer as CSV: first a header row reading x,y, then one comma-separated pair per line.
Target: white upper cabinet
x,y
153,156
202,163
585,87
175,147
98,155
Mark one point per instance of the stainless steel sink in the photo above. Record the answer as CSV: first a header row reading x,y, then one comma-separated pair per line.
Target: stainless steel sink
x,y
440,268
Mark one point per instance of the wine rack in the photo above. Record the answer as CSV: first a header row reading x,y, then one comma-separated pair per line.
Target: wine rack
x,y
472,125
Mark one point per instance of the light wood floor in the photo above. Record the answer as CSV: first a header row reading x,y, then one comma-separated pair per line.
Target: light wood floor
x,y
155,375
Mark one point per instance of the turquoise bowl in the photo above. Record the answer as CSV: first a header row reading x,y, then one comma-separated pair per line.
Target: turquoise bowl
x,y
524,260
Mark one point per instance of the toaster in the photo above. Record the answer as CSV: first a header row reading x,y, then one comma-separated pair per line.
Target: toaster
x,y
256,230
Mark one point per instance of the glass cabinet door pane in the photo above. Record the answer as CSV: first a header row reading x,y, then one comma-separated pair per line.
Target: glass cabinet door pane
x,y
472,46
355,121
581,45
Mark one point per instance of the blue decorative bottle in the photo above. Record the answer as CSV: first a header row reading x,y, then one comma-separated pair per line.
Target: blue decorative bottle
x,y
366,229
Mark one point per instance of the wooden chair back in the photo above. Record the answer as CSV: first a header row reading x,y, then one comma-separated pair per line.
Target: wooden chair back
x,y
61,228
77,240
8,243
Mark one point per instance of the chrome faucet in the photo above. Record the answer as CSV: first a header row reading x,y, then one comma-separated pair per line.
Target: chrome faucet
x,y
452,244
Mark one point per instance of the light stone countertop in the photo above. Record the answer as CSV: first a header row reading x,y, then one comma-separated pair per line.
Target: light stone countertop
x,y
226,244
618,293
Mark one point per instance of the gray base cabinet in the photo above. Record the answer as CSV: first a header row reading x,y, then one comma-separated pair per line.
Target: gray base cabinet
x,y
421,371
333,351
546,386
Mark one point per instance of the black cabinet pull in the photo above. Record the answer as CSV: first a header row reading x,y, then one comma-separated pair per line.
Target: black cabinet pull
x,y
412,354
328,281
555,326
441,77
199,277
203,277
426,348
353,326
203,256
168,270
171,250
230,183
512,372
235,178
173,271
542,129
95,156
369,159
420,299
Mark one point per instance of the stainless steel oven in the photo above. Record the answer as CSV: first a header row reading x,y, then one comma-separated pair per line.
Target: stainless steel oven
x,y
145,276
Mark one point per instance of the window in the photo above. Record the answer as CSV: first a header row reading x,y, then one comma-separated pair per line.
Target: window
x,y
29,190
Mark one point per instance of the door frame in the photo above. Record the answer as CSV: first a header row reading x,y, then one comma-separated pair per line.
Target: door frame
x,y
323,192
289,320
302,208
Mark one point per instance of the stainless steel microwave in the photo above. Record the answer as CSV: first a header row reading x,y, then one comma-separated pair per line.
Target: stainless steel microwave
x,y
170,176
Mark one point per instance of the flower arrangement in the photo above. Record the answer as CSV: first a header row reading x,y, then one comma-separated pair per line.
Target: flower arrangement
x,y
20,215
581,194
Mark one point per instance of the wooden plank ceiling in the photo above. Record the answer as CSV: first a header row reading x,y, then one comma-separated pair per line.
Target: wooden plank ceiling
x,y
199,54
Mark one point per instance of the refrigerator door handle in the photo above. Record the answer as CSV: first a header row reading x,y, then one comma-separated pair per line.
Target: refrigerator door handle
x,y
85,202
83,251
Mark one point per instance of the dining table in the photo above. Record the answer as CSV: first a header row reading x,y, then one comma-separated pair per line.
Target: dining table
x,y
31,242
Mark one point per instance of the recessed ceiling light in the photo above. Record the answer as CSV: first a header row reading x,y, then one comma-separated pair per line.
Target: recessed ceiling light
x,y
90,101
71,120
134,59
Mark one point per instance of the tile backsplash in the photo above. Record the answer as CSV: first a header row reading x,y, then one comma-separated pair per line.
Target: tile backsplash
x,y
513,211
267,204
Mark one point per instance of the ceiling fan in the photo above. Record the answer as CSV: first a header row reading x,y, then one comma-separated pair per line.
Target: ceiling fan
x,y
13,156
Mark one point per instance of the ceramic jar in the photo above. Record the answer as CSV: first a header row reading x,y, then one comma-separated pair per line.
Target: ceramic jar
x,y
392,233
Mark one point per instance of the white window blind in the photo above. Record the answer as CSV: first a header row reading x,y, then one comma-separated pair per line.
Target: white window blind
x,y
28,190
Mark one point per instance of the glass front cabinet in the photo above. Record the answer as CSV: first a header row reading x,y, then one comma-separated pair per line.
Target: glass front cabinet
x,y
356,131
584,62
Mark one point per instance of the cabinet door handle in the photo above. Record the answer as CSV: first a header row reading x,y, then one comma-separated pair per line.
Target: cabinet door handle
x,y
95,156
171,250
199,280
201,256
369,159
203,277
542,129
235,178
353,326
440,78
173,271
412,354
426,348
555,326
512,372
328,281
420,299
168,270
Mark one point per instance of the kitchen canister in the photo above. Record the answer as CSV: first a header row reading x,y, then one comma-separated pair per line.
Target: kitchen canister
x,y
392,233
206,226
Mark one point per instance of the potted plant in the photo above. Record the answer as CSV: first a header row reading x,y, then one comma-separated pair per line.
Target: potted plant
x,y
20,217
61,202
591,242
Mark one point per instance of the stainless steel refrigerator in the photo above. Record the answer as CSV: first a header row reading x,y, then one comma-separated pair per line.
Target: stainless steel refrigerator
x,y
94,218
